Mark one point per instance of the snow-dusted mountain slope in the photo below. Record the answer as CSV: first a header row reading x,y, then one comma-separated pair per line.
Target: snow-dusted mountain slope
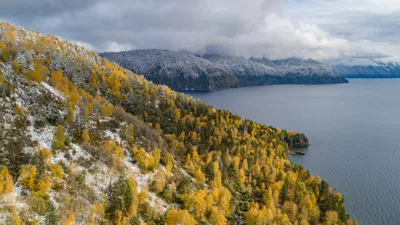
x,y
185,71
300,67
261,71
366,68
180,71
240,66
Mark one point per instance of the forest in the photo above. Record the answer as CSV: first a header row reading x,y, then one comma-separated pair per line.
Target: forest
x,y
206,166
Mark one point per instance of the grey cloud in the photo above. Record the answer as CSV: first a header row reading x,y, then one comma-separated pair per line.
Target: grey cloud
x,y
154,23
31,9
247,28
368,26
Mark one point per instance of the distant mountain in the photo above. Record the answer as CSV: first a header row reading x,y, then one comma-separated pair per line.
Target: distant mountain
x,y
366,68
180,71
185,71
240,66
248,72
296,62
303,71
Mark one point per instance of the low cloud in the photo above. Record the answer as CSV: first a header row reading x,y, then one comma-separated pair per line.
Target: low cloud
x,y
269,28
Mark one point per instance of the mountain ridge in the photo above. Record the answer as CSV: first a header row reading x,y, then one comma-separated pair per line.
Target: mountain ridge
x,y
238,71
367,68
179,70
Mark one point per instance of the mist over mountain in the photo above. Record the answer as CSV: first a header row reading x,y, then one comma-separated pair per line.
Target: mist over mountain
x,y
366,68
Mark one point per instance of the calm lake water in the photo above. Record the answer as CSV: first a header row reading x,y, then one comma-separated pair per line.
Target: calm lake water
x,y
354,131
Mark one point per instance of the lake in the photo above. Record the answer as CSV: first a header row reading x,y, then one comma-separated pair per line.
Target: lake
x,y
354,132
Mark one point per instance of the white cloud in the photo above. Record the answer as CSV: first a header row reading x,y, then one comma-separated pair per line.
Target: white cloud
x,y
369,26
116,47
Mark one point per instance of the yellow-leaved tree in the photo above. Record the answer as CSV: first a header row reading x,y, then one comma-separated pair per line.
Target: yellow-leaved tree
x,y
38,73
85,136
179,217
59,138
70,220
159,182
6,182
27,176
114,152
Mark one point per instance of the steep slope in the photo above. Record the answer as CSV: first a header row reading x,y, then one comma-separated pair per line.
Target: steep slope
x,y
180,71
366,68
84,141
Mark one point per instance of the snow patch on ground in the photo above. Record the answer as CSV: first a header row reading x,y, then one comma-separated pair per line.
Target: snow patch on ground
x,y
143,181
52,90
186,174
59,156
44,135
157,203
113,135
18,100
105,119
101,179
8,120
12,200
79,152
53,199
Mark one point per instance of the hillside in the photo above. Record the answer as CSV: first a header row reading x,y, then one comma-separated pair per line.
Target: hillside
x,y
84,141
185,71
366,68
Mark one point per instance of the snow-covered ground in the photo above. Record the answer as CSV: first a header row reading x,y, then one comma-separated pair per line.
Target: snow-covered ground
x,y
143,181
52,90
44,136
113,135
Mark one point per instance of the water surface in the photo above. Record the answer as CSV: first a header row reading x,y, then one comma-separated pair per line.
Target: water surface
x,y
354,131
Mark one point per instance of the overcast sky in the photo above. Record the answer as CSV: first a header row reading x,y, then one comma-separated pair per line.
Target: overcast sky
x,y
319,29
